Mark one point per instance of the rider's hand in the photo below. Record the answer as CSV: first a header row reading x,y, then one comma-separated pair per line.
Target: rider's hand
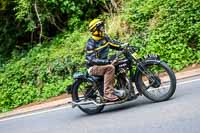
x,y
124,45
114,62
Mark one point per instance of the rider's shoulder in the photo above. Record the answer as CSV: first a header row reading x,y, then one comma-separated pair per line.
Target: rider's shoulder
x,y
90,43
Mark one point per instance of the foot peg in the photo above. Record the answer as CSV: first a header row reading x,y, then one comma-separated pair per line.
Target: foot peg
x,y
119,93
133,96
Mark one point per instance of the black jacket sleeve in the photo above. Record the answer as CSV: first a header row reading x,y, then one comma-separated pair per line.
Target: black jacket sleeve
x,y
114,44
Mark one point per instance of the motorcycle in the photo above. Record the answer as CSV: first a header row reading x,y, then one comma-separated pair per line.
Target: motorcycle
x,y
150,77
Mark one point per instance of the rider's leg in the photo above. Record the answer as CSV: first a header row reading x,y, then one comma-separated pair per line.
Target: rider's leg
x,y
108,71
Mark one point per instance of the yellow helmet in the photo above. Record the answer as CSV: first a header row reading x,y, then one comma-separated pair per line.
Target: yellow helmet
x,y
95,24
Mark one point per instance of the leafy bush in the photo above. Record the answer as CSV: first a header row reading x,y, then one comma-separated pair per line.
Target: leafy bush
x,y
169,28
24,23
43,73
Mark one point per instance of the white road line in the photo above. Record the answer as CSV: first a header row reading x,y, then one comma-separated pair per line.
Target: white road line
x,y
186,82
67,106
34,113
178,83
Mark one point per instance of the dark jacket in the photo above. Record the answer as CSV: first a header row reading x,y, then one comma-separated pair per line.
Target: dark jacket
x,y
97,51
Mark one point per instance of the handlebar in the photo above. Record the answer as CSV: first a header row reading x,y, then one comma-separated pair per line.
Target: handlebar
x,y
126,48
132,49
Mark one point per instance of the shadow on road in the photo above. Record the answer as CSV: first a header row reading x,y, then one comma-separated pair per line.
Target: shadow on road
x,y
132,104
138,104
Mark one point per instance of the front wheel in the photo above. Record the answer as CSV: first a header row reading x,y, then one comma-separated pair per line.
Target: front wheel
x,y
156,81
86,91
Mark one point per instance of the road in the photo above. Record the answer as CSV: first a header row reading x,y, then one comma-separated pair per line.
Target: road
x,y
180,114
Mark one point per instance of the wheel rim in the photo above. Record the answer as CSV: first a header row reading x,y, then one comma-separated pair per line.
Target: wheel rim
x,y
161,87
84,90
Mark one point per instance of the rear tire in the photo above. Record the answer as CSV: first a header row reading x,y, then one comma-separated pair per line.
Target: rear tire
x,y
167,75
78,95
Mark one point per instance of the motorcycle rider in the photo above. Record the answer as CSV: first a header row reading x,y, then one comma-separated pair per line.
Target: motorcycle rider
x,y
97,48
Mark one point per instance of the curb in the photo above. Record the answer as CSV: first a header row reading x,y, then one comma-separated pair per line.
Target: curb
x,y
34,108
187,74
65,101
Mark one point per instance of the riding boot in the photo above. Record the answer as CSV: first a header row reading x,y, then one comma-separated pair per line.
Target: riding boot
x,y
109,83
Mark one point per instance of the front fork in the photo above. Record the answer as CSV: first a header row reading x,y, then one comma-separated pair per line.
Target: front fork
x,y
154,80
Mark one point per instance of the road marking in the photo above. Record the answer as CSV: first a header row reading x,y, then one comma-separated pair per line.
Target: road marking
x,y
178,83
186,82
68,106
34,113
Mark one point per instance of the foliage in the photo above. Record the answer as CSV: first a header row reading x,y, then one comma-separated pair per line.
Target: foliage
x,y
6,27
169,28
24,23
43,73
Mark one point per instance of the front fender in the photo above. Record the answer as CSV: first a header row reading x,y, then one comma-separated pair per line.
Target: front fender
x,y
151,57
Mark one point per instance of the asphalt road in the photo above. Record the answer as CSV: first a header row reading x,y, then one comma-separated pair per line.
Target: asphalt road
x,y
180,114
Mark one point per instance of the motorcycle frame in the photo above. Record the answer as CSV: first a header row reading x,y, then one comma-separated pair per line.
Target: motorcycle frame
x,y
132,61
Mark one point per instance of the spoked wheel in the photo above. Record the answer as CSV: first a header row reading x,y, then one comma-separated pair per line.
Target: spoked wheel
x,y
85,91
157,81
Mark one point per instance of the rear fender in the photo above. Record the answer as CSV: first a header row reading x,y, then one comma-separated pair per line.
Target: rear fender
x,y
69,88
78,76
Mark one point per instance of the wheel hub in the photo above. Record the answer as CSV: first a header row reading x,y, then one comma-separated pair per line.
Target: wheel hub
x,y
156,82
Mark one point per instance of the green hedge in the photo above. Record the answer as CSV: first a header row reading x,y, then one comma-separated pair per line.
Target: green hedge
x,y
167,27
44,72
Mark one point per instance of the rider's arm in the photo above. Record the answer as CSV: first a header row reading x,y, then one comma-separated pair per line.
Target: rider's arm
x,y
114,44
91,55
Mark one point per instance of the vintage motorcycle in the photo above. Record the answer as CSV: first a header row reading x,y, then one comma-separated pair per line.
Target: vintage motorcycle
x,y
150,77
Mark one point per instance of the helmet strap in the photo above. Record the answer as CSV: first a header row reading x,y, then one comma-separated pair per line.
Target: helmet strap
x,y
97,35
96,38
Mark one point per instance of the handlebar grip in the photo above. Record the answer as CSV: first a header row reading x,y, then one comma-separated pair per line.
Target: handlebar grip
x,y
133,48
136,48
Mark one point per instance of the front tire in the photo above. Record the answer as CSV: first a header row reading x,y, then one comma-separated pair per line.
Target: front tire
x,y
165,81
81,88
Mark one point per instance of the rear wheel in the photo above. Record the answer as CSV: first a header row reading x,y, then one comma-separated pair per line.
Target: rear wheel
x,y
156,81
85,91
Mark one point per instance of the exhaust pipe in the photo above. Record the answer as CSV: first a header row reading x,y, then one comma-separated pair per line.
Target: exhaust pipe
x,y
75,104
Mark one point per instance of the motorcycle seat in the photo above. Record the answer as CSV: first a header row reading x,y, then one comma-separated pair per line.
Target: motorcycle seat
x,y
97,77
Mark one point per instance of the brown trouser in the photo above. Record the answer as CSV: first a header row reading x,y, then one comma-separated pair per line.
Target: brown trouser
x,y
108,71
